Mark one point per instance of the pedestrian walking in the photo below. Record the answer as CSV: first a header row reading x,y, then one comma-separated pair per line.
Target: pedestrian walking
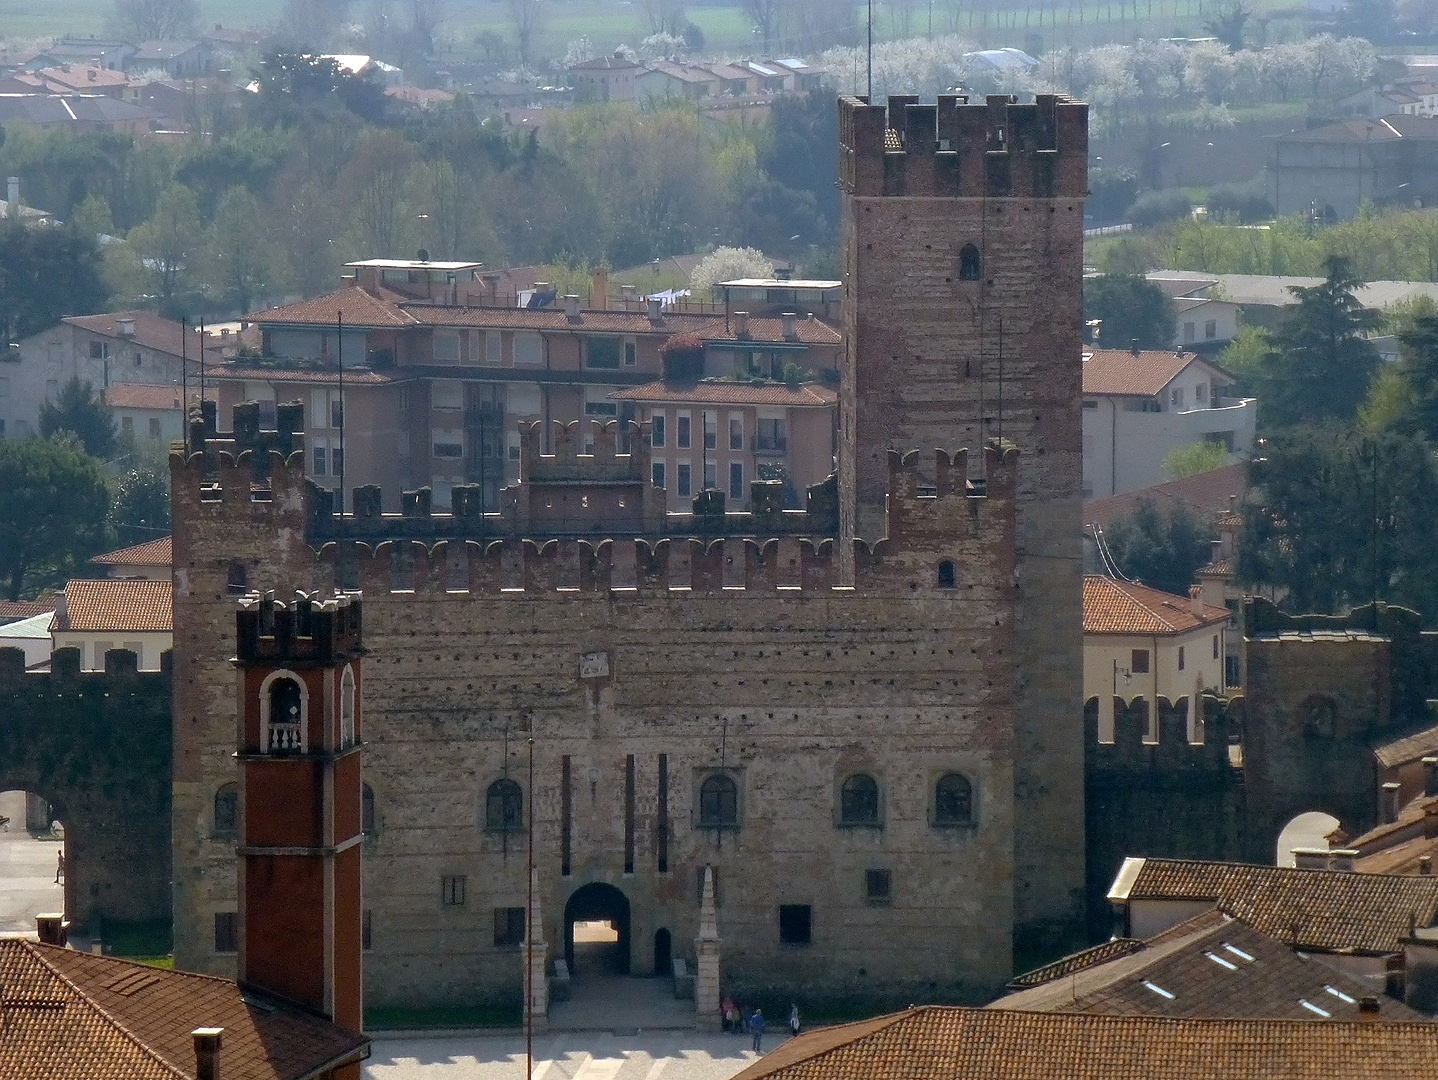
x,y
60,868
756,1029
793,1019
727,1012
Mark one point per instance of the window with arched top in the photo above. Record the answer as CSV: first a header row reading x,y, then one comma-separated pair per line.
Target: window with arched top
x,y
367,820
347,708
227,809
718,802
283,702
953,800
504,807
946,575
859,800
971,264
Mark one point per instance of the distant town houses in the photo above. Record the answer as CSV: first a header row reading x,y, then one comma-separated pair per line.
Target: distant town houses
x,y
617,78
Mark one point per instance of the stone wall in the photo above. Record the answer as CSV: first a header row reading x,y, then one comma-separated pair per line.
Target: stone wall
x,y
96,746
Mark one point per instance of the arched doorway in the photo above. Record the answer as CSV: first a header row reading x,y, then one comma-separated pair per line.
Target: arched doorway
x,y
32,839
1308,830
598,903
663,953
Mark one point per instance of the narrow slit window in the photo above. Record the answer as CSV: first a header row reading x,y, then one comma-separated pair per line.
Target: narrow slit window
x,y
970,263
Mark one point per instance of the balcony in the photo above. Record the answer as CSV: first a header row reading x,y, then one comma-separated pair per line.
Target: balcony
x,y
284,739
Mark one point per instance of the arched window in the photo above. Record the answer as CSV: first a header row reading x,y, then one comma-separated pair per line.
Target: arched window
x,y
227,806
347,708
286,716
970,264
953,800
367,811
504,807
859,800
946,574
718,802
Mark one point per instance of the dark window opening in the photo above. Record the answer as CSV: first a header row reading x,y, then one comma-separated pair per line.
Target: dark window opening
x,y
795,924
566,805
367,930
859,800
718,802
237,579
504,807
970,264
508,926
953,800
946,575
601,352
226,932
878,885
286,716
1180,658
226,810
367,824
451,890
1138,662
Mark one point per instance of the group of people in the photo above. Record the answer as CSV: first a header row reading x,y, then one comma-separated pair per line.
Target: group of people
x,y
732,1019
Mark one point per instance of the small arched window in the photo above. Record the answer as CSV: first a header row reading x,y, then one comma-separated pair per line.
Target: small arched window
x,y
971,265
367,811
946,574
718,802
227,807
953,800
504,807
859,800
347,708
286,716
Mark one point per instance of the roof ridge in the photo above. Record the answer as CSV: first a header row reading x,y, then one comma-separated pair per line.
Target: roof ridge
x,y
89,1002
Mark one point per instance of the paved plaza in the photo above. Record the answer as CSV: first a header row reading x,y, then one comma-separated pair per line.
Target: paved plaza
x,y
27,871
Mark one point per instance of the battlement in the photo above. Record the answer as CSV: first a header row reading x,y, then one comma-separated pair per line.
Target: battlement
x,y
310,630
954,149
122,670
1219,730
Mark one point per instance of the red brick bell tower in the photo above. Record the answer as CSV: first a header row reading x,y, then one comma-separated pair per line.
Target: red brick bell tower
x,y
300,830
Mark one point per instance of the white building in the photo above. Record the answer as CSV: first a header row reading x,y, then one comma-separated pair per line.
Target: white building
x,y
1142,644
96,616
31,636
1140,405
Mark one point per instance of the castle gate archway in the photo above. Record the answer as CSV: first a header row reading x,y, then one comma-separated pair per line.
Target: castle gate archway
x,y
599,902
97,747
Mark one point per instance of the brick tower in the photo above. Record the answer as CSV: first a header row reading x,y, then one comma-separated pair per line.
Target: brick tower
x,y
963,248
300,827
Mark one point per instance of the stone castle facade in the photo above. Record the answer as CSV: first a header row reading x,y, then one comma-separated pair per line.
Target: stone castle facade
x,y
862,716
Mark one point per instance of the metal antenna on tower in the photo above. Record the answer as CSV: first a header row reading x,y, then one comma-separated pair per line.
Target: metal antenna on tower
x,y
870,96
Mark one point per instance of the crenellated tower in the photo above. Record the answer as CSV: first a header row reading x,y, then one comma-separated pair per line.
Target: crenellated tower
x,y
299,822
963,249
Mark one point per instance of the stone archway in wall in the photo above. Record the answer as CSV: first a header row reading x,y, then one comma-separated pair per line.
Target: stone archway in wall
x,y
97,747
1309,829
598,902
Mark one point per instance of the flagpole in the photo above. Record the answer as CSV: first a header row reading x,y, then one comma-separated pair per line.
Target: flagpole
x,y
340,353
184,385
529,931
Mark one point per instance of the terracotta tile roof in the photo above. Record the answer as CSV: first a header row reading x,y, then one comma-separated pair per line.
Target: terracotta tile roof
x,y
151,332
1203,494
11,610
726,392
1125,373
1111,606
935,1041
145,396
1413,747
1076,962
1210,966
150,553
1217,568
360,309
116,604
358,377
1334,910
76,1016
1401,858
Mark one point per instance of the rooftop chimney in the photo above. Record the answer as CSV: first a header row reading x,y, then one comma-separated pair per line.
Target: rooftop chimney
x,y
599,290
1344,860
1195,599
12,191
741,324
1430,776
126,327
52,929
1217,546
1389,807
791,325
627,295
656,310
1425,864
1310,858
1368,1009
207,1052
571,306
1133,346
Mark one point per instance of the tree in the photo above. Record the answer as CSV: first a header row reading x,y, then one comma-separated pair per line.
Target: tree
x,y
242,256
1404,398
1130,308
77,410
169,241
294,83
53,499
1321,365
767,17
1162,551
1227,25
727,263
526,16
141,507
1199,457
1334,518
151,20
46,274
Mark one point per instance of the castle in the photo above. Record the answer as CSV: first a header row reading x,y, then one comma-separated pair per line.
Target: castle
x,y
858,719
